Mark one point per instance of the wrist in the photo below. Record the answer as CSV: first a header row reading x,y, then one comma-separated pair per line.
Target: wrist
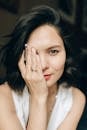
x,y
38,100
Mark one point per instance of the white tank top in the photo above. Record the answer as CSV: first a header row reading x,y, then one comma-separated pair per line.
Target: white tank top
x,y
61,108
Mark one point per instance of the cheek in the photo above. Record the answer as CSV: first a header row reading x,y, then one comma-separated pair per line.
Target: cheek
x,y
58,63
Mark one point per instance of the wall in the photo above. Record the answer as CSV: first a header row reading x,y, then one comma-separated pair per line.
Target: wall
x,y
8,18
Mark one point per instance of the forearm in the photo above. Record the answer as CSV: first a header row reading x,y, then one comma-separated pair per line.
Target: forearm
x,y
37,115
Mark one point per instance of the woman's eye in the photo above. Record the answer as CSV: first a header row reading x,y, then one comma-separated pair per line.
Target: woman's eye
x,y
53,52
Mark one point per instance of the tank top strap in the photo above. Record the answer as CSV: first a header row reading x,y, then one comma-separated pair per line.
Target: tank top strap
x,y
21,102
61,108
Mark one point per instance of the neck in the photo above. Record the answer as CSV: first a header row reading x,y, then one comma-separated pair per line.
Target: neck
x,y
52,90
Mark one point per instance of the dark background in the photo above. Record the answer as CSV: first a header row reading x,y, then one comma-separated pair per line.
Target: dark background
x,y
74,13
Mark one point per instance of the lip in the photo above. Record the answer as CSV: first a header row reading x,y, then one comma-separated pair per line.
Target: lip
x,y
47,76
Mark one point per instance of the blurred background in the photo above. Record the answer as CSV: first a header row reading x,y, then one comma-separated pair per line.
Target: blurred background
x,y
74,14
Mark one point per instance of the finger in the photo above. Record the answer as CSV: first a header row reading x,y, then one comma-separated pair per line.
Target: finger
x,y
21,65
38,63
33,59
25,53
28,59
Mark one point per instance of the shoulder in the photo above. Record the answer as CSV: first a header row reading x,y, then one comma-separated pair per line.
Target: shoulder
x,y
5,90
72,119
6,100
8,117
79,98
79,101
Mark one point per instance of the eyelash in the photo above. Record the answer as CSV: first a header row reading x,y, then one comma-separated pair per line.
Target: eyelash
x,y
53,52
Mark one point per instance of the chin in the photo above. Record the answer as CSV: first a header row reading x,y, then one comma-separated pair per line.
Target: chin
x,y
50,84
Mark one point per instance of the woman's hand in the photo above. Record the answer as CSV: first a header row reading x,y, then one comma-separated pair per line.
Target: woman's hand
x,y
31,72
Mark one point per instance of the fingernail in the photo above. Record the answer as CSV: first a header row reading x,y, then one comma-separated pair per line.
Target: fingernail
x,y
25,45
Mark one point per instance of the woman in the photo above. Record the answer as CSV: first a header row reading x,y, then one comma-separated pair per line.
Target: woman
x,y
39,90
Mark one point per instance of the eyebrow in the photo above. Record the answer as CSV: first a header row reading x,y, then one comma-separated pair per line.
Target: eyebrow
x,y
54,46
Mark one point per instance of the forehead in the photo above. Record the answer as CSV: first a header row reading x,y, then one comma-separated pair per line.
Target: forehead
x,y
45,36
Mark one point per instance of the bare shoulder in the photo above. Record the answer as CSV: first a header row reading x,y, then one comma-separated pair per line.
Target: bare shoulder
x,y
4,88
74,115
5,91
5,96
79,101
78,97
8,117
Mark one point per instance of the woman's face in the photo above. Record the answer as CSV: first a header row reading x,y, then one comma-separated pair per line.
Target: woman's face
x,y
50,47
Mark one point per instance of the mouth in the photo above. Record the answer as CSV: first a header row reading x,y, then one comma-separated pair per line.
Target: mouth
x,y
47,76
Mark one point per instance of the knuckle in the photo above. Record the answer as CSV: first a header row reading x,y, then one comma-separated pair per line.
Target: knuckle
x,y
33,78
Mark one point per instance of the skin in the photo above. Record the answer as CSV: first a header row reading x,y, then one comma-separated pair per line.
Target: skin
x,y
45,55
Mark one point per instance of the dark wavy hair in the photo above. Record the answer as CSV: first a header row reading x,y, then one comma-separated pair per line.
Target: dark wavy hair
x,y
12,51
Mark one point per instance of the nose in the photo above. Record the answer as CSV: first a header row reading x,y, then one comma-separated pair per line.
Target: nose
x,y
44,62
